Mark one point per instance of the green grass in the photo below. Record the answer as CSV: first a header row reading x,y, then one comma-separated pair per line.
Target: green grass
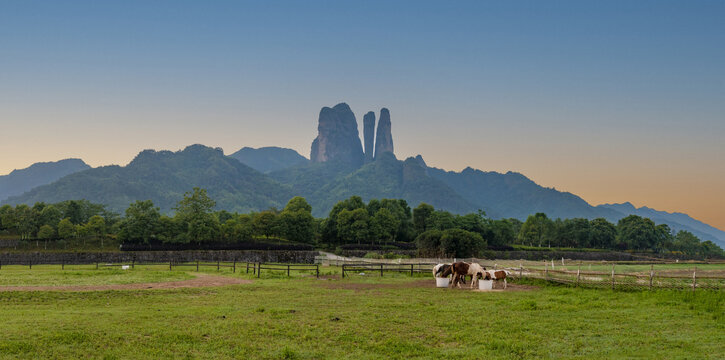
x,y
53,276
304,318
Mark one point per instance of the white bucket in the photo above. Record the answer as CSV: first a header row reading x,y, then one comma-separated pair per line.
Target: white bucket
x,y
485,284
125,267
441,282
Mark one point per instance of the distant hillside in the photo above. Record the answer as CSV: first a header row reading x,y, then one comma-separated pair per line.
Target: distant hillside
x,y
268,159
324,184
514,195
676,221
164,176
20,181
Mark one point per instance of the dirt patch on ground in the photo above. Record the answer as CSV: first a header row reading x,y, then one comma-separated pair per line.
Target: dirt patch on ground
x,y
428,283
201,280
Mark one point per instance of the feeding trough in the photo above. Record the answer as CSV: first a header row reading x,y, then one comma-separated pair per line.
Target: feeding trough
x,y
485,284
442,282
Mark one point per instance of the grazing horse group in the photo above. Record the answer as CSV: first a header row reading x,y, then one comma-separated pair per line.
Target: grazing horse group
x,y
459,270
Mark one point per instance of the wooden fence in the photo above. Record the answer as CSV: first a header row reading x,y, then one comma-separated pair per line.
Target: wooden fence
x,y
380,268
256,267
662,279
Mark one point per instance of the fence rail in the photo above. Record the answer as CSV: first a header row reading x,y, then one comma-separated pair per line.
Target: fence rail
x,y
359,267
256,267
650,280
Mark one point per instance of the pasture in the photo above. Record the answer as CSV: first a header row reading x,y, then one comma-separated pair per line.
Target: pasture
x,y
359,317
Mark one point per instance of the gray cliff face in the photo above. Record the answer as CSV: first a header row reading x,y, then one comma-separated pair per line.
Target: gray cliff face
x,y
369,134
384,136
337,137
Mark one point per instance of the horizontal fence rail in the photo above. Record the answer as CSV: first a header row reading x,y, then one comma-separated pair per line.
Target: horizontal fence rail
x,y
362,267
256,267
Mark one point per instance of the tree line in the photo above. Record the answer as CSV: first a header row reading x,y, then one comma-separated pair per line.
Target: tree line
x,y
384,223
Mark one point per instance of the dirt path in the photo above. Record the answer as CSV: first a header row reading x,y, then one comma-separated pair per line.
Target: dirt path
x,y
201,280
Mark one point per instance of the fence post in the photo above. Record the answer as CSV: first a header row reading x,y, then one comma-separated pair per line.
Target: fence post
x,y
317,270
381,270
133,263
197,265
287,270
62,264
259,269
247,267
578,273
694,279
217,265
234,268
546,271
30,264
169,264
521,270
343,271
612,276
96,265
651,275
411,269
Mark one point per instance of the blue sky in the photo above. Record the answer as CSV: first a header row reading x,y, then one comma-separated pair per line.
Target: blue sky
x,y
614,101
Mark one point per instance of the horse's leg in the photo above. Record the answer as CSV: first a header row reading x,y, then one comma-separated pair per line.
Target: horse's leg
x,y
504,283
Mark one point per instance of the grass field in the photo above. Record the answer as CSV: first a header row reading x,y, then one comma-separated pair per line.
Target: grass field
x,y
357,318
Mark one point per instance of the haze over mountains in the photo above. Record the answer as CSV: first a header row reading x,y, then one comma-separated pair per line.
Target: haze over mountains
x,y
339,167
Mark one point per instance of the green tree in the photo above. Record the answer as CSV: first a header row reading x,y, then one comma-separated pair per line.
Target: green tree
x,y
536,230
296,222
462,243
141,223
46,232
686,242
265,223
352,226
96,226
422,218
195,210
66,229
502,233
330,233
635,232
429,243
603,234
385,225
50,215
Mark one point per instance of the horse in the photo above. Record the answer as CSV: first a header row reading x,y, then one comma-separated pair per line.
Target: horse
x,y
461,269
497,275
446,270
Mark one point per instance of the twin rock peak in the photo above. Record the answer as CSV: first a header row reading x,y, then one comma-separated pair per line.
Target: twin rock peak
x,y
338,138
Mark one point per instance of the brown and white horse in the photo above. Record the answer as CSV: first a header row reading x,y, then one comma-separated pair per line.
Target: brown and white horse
x,y
497,275
461,269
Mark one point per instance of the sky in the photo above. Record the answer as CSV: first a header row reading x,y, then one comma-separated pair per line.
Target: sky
x,y
611,100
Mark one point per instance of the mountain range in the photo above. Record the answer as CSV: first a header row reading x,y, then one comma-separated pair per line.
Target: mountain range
x,y
257,179
20,181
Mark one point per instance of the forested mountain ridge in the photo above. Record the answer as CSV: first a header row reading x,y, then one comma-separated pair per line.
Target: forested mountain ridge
x,y
324,184
676,221
22,180
340,169
164,177
270,158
